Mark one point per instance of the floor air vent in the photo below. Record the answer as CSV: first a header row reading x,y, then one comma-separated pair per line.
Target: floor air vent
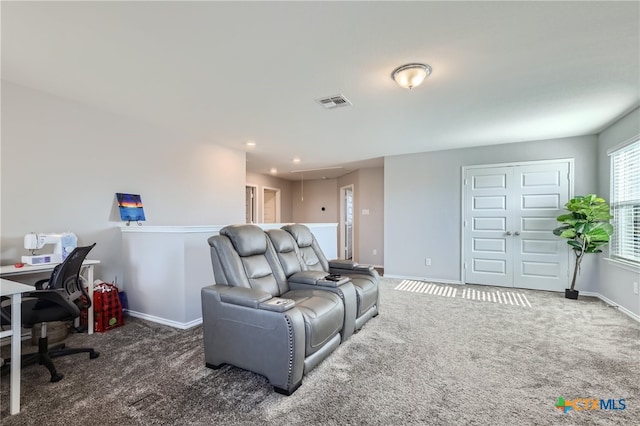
x,y
333,102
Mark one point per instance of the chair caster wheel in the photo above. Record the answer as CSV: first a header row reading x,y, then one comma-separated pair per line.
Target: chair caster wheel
x,y
56,377
94,355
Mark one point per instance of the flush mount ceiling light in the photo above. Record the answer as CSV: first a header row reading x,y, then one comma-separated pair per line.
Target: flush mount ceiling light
x,y
411,75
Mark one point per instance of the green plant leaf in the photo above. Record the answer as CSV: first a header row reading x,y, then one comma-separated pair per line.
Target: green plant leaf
x,y
559,229
586,224
580,226
575,244
565,217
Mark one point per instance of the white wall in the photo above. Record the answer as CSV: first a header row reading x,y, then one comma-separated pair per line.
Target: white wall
x,y
616,282
62,163
422,201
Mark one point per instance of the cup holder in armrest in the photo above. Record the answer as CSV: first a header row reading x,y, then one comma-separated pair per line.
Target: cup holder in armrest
x,y
277,304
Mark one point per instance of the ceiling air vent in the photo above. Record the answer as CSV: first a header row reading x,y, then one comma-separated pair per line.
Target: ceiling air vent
x,y
333,102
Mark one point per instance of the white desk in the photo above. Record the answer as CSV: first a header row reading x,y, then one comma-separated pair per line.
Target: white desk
x,y
10,270
14,290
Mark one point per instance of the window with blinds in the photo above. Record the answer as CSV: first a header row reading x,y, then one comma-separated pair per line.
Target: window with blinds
x,y
625,201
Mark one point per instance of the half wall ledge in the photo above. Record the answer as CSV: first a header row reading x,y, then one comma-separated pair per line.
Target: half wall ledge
x,y
165,267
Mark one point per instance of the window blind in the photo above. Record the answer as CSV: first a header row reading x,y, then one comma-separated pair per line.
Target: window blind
x,y
625,202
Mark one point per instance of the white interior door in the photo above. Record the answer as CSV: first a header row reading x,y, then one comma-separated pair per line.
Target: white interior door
x,y
509,214
346,222
540,259
270,205
488,248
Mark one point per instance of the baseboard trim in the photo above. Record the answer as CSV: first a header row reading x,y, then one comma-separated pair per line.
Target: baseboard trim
x,y
610,302
164,321
431,280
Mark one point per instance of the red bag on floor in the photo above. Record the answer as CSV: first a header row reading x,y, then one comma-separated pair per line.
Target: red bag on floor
x,y
107,309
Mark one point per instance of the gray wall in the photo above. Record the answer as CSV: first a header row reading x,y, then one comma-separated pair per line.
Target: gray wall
x,y
616,282
286,193
372,225
368,186
63,162
422,201
368,189
310,196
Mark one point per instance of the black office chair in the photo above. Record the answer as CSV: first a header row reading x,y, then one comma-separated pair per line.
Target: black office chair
x,y
60,298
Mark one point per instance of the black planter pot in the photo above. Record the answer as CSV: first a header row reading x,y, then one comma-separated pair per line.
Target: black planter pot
x,y
571,294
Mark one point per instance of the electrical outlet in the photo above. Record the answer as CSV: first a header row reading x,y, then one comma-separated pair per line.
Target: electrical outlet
x,y
635,287
375,252
427,261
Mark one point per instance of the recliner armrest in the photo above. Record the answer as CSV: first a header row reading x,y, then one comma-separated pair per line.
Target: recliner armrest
x,y
349,265
251,298
317,278
277,304
242,296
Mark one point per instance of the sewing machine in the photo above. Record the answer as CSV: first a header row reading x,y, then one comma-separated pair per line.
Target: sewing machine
x,y
63,245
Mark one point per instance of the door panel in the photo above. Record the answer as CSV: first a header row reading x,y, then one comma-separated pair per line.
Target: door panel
x,y
486,222
509,214
539,261
490,203
490,266
540,269
269,204
496,245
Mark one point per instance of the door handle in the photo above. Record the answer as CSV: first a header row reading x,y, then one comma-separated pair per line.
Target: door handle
x,y
508,233
516,233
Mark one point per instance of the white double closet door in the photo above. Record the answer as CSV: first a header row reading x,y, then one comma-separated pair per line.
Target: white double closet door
x,y
509,214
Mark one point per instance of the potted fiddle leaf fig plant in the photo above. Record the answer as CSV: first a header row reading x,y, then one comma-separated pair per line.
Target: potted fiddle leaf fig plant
x,y
587,228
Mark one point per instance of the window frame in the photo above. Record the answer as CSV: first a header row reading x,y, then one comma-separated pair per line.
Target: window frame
x,y
616,254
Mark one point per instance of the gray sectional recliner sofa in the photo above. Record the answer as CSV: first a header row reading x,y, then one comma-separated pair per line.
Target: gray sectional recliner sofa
x,y
273,310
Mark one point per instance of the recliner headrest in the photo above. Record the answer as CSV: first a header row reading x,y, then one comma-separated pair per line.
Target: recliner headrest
x,y
300,233
282,241
247,240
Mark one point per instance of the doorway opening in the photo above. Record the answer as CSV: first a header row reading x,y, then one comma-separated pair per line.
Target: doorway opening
x,y
270,205
346,222
251,201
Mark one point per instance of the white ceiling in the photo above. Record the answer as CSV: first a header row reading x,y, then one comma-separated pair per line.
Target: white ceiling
x,y
228,72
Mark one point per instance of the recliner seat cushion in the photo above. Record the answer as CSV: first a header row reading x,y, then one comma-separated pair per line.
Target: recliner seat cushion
x,y
366,291
323,314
